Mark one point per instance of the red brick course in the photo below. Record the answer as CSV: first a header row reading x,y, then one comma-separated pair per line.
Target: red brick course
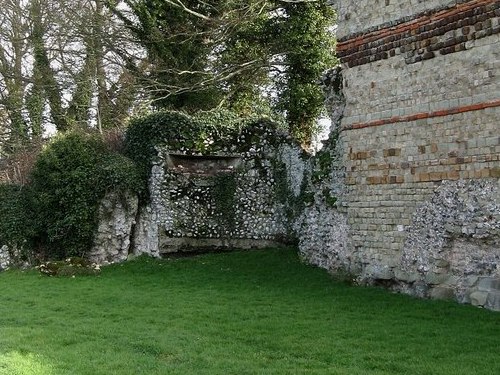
x,y
419,39
425,115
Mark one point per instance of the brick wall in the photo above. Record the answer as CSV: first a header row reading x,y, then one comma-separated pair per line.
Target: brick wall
x,y
422,90
396,87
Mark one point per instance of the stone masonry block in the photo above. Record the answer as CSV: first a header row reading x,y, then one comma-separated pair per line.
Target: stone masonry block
x,y
442,292
495,172
478,298
487,284
493,301
392,152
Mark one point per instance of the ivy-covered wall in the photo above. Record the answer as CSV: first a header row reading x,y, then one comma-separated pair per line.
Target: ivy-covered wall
x,y
244,194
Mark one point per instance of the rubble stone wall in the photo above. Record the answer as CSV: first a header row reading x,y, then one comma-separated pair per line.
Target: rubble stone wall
x,y
200,203
117,215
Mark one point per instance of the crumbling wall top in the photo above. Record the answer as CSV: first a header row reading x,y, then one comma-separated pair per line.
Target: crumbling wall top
x,y
357,16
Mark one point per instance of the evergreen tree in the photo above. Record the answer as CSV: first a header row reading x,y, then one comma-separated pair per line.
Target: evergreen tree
x,y
257,55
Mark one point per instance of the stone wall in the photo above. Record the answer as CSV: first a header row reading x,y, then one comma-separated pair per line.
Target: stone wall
x,y
358,16
423,54
323,230
5,258
12,257
420,124
453,243
117,216
242,199
247,195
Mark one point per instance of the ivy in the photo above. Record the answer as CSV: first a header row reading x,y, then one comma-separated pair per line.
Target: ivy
x,y
330,200
69,179
293,205
224,191
210,132
15,217
310,44
323,165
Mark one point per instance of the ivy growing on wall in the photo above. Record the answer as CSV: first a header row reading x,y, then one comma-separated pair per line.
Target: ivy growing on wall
x,y
15,218
55,214
323,165
211,132
224,192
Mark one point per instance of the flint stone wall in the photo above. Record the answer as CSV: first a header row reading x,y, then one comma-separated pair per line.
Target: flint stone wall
x,y
193,208
12,257
323,229
117,215
453,245
5,258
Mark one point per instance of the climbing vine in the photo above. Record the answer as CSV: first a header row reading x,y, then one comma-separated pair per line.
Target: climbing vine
x,y
211,132
224,194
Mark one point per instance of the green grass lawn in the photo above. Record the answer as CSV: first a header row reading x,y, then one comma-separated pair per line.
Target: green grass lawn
x,y
258,312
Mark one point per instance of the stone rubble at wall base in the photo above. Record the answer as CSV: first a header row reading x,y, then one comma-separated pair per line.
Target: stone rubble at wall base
x,y
453,244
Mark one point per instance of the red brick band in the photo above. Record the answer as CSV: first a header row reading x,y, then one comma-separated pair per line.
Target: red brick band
x,y
423,37
424,115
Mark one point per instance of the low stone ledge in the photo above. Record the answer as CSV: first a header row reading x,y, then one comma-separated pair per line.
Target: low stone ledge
x,y
187,244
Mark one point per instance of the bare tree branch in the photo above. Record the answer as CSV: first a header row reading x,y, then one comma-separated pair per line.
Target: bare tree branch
x,y
180,4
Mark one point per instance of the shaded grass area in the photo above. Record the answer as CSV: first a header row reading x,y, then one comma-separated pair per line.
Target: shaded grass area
x,y
259,312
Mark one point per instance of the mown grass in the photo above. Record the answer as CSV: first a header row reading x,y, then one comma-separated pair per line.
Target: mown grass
x,y
259,312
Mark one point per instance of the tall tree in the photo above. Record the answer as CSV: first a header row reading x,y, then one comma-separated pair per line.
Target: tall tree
x,y
235,53
178,39
59,66
14,46
45,81
306,30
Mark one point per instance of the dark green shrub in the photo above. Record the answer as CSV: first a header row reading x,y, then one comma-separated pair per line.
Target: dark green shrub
x,y
118,173
15,218
70,177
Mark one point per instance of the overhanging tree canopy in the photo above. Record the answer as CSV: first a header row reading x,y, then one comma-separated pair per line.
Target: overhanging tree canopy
x,y
245,55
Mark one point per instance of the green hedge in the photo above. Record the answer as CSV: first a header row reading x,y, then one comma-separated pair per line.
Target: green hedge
x,y
70,177
15,218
